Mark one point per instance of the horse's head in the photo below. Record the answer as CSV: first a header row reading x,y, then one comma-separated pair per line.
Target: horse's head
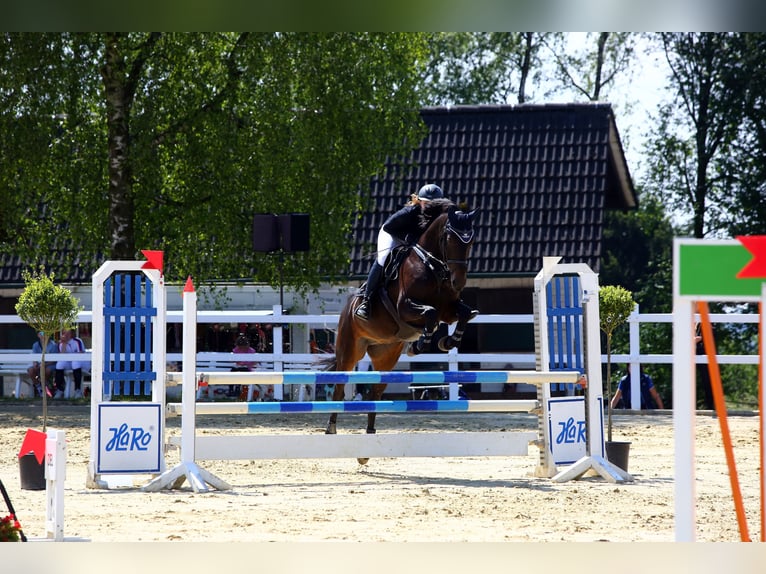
x,y
458,240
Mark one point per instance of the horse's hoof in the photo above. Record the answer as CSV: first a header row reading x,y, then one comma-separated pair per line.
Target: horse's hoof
x,y
445,344
412,350
474,313
332,429
370,431
362,461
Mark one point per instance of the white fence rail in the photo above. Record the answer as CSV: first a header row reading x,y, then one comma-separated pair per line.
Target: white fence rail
x,y
278,360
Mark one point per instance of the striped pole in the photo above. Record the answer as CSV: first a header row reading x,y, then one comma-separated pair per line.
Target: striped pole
x,y
233,408
373,377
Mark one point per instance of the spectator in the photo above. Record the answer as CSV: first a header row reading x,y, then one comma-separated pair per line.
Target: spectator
x,y
34,369
241,345
649,395
68,344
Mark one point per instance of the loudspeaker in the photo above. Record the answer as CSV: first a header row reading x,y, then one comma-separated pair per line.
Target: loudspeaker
x,y
265,232
295,231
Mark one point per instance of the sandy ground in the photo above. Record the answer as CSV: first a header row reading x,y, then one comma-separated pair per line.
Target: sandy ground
x,y
488,499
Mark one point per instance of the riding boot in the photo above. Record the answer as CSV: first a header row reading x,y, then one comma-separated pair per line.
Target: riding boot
x,y
373,279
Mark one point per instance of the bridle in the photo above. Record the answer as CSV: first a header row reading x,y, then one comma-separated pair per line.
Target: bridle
x,y
440,267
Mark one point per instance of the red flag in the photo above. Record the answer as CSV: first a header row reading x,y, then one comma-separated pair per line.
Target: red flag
x,y
756,267
154,260
34,441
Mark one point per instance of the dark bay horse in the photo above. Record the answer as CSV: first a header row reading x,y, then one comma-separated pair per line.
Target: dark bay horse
x,y
425,292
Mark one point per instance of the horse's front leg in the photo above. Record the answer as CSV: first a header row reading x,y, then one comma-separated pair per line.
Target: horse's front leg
x,y
337,395
408,308
464,314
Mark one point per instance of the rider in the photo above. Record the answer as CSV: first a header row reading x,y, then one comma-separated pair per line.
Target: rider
x,y
403,227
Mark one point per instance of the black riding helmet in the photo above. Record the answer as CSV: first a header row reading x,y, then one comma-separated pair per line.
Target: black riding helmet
x,y
430,191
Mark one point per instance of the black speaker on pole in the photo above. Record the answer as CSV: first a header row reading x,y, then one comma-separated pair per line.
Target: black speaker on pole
x,y
265,232
295,231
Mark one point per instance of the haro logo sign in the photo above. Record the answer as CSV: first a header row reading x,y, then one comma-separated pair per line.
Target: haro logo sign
x,y
130,438
566,429
126,439
571,431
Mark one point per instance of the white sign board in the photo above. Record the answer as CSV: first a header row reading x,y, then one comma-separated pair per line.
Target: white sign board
x,y
567,430
129,438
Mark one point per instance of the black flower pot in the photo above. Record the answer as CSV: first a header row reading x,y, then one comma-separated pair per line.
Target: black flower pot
x,y
617,453
32,472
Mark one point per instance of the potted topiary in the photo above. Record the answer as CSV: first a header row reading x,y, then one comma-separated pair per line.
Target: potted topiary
x,y
48,309
615,304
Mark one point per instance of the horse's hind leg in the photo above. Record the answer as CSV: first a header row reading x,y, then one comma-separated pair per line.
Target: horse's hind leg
x,y
337,395
375,395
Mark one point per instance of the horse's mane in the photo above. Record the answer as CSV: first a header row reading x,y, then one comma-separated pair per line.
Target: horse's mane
x,y
433,209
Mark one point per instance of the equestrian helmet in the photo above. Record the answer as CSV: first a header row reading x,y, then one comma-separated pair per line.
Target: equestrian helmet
x,y
430,191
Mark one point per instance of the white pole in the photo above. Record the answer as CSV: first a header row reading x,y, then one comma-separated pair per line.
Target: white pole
x,y
684,397
188,390
592,344
635,368
55,474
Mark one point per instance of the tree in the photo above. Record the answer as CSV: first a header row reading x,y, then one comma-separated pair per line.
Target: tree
x,y
474,68
707,151
743,170
130,141
590,69
697,128
615,304
48,309
638,254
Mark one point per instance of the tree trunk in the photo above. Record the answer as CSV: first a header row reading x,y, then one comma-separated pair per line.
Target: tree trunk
x,y
118,103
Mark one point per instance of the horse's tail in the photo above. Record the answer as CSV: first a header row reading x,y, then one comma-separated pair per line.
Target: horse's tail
x,y
327,362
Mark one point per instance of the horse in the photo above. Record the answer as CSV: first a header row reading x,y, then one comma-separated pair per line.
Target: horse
x,y
424,292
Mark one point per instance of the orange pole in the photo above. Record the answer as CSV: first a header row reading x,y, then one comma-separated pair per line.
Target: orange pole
x,y
720,408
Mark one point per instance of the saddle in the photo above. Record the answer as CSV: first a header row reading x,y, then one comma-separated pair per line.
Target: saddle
x,y
394,262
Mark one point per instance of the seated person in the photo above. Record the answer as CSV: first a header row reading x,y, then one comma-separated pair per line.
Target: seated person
x,y
68,344
34,369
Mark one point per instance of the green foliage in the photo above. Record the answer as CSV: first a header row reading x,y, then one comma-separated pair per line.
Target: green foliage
x,y
638,254
615,304
700,147
122,142
46,307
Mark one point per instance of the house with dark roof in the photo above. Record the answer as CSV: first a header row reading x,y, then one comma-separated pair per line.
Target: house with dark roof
x,y
541,176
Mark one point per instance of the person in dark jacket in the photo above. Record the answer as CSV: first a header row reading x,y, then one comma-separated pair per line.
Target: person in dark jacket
x,y
649,395
401,228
